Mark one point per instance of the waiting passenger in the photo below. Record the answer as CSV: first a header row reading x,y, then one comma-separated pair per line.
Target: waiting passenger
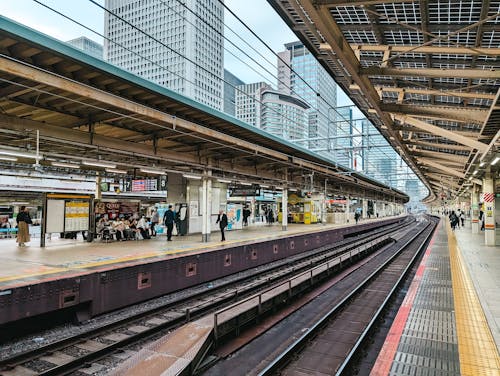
x,y
143,227
23,221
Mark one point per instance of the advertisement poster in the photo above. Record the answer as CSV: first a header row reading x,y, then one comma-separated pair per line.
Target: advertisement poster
x,y
115,209
234,216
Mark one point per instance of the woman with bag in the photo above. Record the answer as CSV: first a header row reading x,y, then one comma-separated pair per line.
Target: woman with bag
x,y
23,221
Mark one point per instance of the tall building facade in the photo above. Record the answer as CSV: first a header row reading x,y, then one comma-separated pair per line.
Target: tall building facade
x,y
283,115
230,84
248,107
320,92
175,48
88,46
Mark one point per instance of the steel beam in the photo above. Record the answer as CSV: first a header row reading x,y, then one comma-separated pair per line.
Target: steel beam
x,y
461,94
482,147
440,167
46,78
428,49
439,112
431,72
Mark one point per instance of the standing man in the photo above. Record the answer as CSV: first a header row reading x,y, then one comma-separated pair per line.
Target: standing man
x,y
155,218
168,220
23,221
222,221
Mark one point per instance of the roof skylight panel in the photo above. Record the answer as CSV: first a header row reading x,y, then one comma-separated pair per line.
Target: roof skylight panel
x,y
401,12
349,15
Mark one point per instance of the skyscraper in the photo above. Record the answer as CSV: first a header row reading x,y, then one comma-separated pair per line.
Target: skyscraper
x,y
230,83
170,45
283,115
88,46
248,106
319,91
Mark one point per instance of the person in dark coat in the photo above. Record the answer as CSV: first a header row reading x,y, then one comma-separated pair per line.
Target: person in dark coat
x,y
222,221
23,221
168,220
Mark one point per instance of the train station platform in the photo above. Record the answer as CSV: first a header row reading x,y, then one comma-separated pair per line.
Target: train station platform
x,y
447,325
90,279
449,322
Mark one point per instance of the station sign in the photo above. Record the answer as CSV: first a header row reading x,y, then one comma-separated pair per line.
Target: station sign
x,y
242,191
144,185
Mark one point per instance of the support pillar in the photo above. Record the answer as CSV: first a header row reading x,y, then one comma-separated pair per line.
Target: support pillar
x,y
206,208
284,209
98,192
489,209
474,198
375,212
347,209
365,208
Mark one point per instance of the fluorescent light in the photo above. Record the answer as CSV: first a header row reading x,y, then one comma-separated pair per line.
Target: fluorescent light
x,y
67,165
99,164
152,171
196,177
481,164
224,181
116,171
21,154
244,183
10,159
495,160
264,186
474,173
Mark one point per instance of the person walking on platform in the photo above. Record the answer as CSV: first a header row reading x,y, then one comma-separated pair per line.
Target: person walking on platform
x,y
222,221
23,221
356,217
155,218
168,220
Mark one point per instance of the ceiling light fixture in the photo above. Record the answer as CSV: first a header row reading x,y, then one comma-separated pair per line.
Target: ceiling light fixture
x,y
245,183
474,173
152,171
99,164
10,159
196,177
66,165
21,154
116,171
494,161
481,164
224,181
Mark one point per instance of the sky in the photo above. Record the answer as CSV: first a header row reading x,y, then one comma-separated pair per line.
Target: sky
x,y
257,14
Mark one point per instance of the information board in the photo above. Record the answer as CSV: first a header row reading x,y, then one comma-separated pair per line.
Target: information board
x,y
55,216
76,216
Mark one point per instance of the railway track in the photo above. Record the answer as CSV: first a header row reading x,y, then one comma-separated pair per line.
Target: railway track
x,y
337,321
82,350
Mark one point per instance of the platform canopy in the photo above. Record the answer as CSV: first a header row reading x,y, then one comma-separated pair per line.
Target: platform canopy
x,y
86,112
424,72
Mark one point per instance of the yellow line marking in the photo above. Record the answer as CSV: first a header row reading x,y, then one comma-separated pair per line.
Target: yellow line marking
x,y
477,350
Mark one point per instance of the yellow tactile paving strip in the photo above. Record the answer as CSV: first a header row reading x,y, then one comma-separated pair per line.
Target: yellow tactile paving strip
x,y
477,350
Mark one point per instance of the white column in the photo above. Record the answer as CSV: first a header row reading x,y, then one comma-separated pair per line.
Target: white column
x,y
365,208
284,209
206,206
489,209
375,209
98,192
347,209
474,198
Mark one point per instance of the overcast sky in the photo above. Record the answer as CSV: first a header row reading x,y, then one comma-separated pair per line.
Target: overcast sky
x,y
257,14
